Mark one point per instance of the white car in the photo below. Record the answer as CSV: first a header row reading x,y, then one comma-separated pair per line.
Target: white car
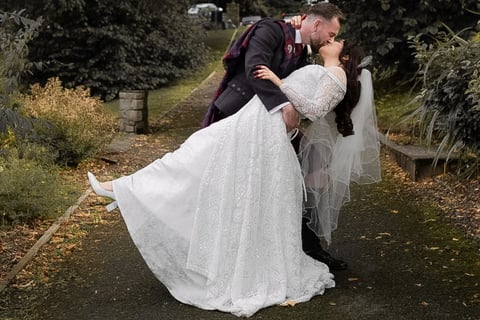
x,y
207,6
287,16
246,21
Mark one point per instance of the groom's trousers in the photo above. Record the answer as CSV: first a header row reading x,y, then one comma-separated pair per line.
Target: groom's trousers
x,y
310,240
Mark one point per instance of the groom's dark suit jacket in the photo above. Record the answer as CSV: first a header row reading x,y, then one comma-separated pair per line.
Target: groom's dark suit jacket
x,y
269,42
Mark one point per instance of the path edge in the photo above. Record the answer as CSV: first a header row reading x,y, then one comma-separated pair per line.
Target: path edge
x,y
32,252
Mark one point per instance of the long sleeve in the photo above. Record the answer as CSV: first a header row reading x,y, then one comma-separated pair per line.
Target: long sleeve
x,y
314,96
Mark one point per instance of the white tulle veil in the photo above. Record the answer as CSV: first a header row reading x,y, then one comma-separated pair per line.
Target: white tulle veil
x,y
331,162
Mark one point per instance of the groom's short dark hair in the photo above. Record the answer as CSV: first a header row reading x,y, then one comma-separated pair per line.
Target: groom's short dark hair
x,y
326,10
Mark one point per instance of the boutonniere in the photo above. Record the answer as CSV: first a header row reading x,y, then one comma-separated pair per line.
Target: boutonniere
x,y
290,49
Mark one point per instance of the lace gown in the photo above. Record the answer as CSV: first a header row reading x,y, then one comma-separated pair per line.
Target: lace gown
x,y
218,221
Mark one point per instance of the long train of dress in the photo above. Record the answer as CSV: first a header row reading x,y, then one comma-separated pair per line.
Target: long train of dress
x,y
218,221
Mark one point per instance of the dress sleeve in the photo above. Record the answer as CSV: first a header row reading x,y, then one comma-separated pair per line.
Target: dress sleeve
x,y
327,95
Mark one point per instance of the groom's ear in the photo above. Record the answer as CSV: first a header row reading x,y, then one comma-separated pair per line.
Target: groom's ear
x,y
317,24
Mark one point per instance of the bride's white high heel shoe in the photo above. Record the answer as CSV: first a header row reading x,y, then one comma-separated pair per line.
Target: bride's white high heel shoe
x,y
97,188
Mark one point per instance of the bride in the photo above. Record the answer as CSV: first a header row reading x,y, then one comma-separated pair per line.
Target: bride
x,y
218,221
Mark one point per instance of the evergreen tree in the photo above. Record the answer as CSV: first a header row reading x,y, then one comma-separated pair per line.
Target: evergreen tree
x,y
110,45
384,27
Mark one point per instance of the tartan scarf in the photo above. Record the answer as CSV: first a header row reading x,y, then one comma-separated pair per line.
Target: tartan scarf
x,y
233,57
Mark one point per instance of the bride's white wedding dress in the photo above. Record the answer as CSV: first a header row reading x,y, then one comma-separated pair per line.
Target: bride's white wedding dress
x,y
218,221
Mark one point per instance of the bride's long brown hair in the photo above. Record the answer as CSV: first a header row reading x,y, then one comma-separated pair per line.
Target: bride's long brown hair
x,y
350,57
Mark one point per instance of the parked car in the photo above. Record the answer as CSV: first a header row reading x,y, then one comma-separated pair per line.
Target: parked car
x,y
199,7
207,15
246,21
287,16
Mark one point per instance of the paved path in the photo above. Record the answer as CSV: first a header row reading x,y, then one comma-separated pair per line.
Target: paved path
x,y
405,262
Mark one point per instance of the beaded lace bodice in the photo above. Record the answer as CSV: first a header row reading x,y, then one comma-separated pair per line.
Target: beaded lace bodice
x,y
315,101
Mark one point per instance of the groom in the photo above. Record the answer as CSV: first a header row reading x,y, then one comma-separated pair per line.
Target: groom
x,y
279,46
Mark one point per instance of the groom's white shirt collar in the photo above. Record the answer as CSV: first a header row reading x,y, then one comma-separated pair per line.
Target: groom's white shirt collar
x,y
298,36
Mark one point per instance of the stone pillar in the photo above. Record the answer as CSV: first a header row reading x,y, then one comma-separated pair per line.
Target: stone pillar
x,y
133,111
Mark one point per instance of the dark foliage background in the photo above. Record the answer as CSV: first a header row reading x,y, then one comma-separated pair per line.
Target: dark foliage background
x,y
264,8
384,27
109,45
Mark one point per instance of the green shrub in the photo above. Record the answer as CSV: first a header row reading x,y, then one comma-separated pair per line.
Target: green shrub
x,y
24,148
450,109
83,123
16,31
28,189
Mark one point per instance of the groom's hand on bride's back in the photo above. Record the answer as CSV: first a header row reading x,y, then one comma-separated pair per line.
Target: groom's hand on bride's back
x,y
290,117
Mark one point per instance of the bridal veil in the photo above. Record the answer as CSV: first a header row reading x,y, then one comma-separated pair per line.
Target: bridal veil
x,y
331,162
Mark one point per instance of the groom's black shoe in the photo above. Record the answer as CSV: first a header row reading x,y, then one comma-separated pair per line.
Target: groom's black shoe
x,y
323,256
312,247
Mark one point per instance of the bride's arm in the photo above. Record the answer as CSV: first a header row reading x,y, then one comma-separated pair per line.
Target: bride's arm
x,y
263,72
328,94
